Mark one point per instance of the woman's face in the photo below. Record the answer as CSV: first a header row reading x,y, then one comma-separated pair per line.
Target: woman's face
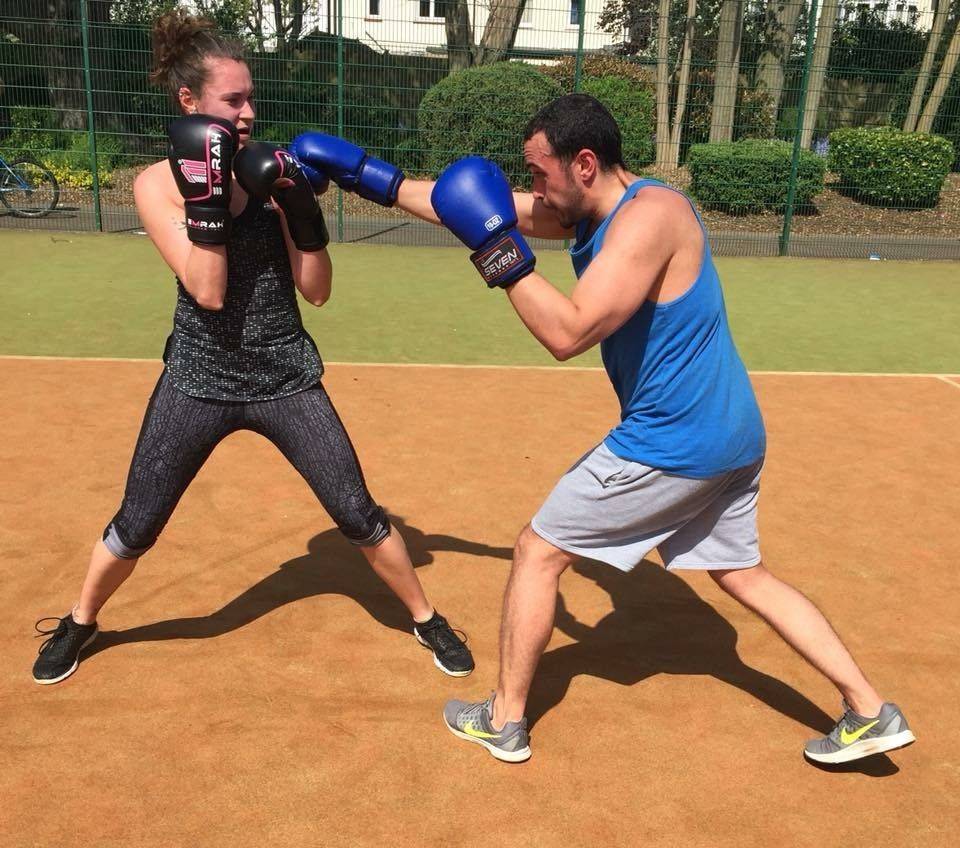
x,y
227,93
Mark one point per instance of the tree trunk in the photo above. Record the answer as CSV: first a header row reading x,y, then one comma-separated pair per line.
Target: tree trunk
x,y
923,77
65,66
683,84
500,31
781,25
296,20
254,23
460,47
728,70
99,11
663,85
925,124
279,29
818,70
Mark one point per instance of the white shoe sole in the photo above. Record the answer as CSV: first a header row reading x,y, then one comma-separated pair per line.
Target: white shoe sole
x,y
437,662
72,668
504,756
866,748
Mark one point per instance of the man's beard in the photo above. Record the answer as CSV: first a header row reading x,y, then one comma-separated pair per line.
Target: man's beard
x,y
572,212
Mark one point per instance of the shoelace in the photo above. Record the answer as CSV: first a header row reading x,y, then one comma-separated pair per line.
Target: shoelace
x,y
59,630
440,628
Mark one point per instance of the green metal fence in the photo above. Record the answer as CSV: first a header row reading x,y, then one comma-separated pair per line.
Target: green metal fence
x,y
746,104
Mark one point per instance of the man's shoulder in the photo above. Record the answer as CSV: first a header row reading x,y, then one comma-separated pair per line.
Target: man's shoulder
x,y
657,210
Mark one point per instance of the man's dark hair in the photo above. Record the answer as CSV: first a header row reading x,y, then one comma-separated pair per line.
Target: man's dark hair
x,y
576,122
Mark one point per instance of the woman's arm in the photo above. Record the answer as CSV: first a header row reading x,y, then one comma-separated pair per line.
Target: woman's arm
x,y
312,270
202,268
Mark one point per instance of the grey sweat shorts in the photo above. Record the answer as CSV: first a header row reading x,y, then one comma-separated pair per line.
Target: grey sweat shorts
x,y
617,511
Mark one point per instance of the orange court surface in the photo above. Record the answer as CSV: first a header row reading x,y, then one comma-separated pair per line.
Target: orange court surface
x,y
254,684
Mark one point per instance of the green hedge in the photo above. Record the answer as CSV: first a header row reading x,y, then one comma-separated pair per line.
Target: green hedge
x,y
597,65
634,110
752,175
626,89
888,167
482,110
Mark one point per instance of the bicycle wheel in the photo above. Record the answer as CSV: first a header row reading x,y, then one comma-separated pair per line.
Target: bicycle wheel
x,y
28,189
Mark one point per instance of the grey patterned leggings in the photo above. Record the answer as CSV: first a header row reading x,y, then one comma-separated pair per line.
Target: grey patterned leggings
x,y
179,432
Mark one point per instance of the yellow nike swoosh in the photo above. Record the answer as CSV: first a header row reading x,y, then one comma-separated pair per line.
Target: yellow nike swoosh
x,y
847,738
470,730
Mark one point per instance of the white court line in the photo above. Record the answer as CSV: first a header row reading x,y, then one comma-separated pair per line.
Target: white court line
x,y
947,378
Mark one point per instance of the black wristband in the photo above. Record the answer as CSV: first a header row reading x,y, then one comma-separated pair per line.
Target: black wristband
x,y
309,234
207,224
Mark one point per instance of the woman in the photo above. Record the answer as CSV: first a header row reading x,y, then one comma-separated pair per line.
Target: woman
x,y
238,356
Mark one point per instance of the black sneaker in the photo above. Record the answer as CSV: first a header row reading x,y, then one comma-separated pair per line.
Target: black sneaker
x,y
59,655
450,654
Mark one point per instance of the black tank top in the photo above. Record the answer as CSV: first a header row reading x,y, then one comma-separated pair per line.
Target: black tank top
x,y
255,348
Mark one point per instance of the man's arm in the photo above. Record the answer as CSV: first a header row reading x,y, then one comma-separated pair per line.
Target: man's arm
x,y
637,249
533,218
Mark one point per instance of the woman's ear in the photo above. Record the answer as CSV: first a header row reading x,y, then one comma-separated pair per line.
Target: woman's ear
x,y
187,101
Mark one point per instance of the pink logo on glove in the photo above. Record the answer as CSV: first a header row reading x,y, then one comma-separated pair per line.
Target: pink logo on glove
x,y
193,170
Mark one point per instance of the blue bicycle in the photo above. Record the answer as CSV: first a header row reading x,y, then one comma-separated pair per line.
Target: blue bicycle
x,y
27,188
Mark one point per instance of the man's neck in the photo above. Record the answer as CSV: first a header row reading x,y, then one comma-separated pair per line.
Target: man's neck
x,y
608,190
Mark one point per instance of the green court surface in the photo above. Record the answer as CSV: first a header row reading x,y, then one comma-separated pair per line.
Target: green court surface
x,y
92,295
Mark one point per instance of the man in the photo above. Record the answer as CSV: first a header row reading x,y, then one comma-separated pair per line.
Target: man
x,y
681,471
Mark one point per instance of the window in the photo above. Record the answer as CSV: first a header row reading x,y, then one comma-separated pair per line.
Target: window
x,y
373,8
574,12
432,8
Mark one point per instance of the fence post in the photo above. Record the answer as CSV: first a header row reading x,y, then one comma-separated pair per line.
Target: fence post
x,y
798,130
581,16
578,71
340,92
91,130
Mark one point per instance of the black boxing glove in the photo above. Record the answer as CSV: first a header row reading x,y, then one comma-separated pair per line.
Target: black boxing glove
x,y
201,155
259,166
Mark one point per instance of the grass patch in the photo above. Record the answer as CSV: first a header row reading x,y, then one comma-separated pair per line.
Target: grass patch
x,y
64,294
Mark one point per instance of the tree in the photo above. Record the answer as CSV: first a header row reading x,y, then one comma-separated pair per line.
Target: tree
x,y
729,38
923,77
818,70
663,85
668,138
238,18
780,25
637,18
925,124
683,83
498,34
65,63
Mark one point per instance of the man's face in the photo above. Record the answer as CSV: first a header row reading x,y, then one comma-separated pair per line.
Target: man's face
x,y
554,182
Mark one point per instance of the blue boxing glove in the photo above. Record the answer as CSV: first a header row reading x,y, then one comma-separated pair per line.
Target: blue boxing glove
x,y
348,166
473,200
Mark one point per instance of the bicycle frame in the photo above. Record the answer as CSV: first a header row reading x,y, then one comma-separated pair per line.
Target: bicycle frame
x,y
22,186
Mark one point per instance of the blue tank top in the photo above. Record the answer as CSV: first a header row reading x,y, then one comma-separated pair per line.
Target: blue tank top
x,y
686,403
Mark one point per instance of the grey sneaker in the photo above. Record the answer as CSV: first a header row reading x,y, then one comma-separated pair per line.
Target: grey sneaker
x,y
59,655
473,723
856,736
